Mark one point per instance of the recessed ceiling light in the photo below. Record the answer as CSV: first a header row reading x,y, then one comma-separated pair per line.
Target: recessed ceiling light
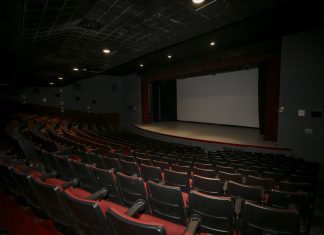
x,y
212,44
84,69
198,1
51,83
141,65
169,56
106,51
75,69
60,78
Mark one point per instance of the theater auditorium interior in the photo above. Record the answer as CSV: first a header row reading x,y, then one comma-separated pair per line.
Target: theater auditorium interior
x,y
161,117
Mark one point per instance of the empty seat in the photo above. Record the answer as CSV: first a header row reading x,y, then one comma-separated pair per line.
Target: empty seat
x,y
174,178
131,189
130,168
87,215
23,182
125,225
298,200
82,172
210,173
49,195
260,220
266,183
106,178
211,186
111,163
245,192
217,213
225,176
166,202
141,225
151,173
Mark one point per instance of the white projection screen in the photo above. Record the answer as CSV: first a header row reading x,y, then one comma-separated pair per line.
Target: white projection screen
x,y
227,98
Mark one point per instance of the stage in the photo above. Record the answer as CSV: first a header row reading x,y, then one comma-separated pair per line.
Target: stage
x,y
213,134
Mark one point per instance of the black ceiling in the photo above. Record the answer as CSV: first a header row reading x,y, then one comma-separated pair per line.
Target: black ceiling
x,y
42,40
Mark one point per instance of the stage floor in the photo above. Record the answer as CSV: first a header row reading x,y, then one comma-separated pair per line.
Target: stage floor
x,y
212,133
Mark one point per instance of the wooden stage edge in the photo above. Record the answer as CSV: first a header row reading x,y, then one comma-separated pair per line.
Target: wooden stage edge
x,y
184,131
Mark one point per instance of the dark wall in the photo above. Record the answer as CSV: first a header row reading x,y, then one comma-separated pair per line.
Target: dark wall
x,y
302,87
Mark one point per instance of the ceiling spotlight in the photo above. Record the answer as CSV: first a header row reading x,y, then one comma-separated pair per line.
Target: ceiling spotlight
x,y
51,83
198,1
212,44
141,65
169,56
60,78
75,69
84,69
106,51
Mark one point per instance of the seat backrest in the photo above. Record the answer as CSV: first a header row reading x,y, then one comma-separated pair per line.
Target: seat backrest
x,y
151,173
295,187
86,214
284,199
81,171
162,165
277,176
204,165
174,178
217,212
258,220
124,225
211,186
95,159
181,168
246,192
106,178
131,189
50,198
266,183
225,176
23,182
111,163
210,173
166,202
51,161
129,168
227,169
65,169
128,158
144,161
247,172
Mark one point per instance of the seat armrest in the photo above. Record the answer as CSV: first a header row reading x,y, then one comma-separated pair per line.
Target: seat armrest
x,y
101,193
45,176
193,225
302,227
137,207
72,183
225,186
238,206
